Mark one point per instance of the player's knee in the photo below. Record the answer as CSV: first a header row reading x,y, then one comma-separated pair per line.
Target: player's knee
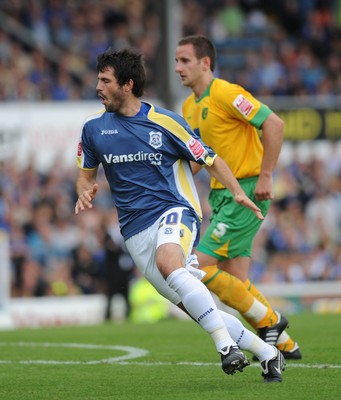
x,y
169,257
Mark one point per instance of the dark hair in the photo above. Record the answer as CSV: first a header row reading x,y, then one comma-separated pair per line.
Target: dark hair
x,y
203,47
127,65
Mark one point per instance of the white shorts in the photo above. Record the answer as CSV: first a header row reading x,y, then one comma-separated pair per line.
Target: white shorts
x,y
174,226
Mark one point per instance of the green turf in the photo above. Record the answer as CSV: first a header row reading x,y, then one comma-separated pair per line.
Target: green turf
x,y
58,370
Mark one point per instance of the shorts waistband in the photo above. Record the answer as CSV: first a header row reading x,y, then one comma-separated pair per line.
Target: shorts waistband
x,y
248,179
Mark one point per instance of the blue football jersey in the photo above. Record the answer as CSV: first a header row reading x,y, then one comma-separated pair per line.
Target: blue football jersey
x,y
146,162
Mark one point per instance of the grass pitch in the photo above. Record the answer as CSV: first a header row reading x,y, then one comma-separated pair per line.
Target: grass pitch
x,y
168,360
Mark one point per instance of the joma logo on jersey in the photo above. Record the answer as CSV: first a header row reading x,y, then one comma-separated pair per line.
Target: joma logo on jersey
x,y
155,139
109,131
243,105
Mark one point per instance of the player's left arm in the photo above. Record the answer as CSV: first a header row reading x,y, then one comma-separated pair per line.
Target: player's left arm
x,y
273,132
221,171
195,167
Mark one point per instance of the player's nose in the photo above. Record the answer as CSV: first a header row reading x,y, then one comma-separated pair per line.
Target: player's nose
x,y
178,67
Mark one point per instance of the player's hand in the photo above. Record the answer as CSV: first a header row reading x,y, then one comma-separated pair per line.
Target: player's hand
x,y
263,190
243,200
85,199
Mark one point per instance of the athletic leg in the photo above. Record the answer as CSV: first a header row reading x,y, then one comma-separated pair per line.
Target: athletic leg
x,y
227,244
160,256
232,292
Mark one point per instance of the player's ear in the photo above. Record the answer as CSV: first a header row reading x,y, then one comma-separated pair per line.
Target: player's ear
x,y
206,62
128,87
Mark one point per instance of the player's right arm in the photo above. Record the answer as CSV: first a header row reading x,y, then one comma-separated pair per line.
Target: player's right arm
x,y
221,171
273,133
86,187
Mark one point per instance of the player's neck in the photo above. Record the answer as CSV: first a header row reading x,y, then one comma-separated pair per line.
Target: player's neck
x,y
130,108
200,87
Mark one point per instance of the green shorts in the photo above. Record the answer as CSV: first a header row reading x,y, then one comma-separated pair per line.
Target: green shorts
x,y
232,227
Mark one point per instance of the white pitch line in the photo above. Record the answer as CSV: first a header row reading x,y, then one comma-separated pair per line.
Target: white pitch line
x,y
199,364
131,353
157,363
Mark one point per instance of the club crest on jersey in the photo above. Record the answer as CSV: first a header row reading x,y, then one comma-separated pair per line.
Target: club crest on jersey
x,y
196,148
155,139
204,113
243,105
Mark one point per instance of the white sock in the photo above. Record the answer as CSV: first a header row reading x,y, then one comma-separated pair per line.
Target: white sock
x,y
199,303
257,311
246,339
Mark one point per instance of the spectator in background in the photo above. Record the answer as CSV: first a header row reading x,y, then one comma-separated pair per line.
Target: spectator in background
x,y
119,268
85,270
19,254
232,18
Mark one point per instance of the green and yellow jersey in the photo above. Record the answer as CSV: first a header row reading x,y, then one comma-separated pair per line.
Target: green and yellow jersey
x,y
227,118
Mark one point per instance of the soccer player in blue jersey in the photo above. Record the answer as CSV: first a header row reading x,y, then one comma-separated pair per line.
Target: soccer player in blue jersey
x,y
146,152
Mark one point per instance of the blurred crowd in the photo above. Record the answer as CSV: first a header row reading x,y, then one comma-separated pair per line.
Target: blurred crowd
x,y
48,48
48,51
300,239
54,252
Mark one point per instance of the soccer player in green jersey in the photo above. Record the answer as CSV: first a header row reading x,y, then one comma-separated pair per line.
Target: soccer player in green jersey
x,y
227,118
